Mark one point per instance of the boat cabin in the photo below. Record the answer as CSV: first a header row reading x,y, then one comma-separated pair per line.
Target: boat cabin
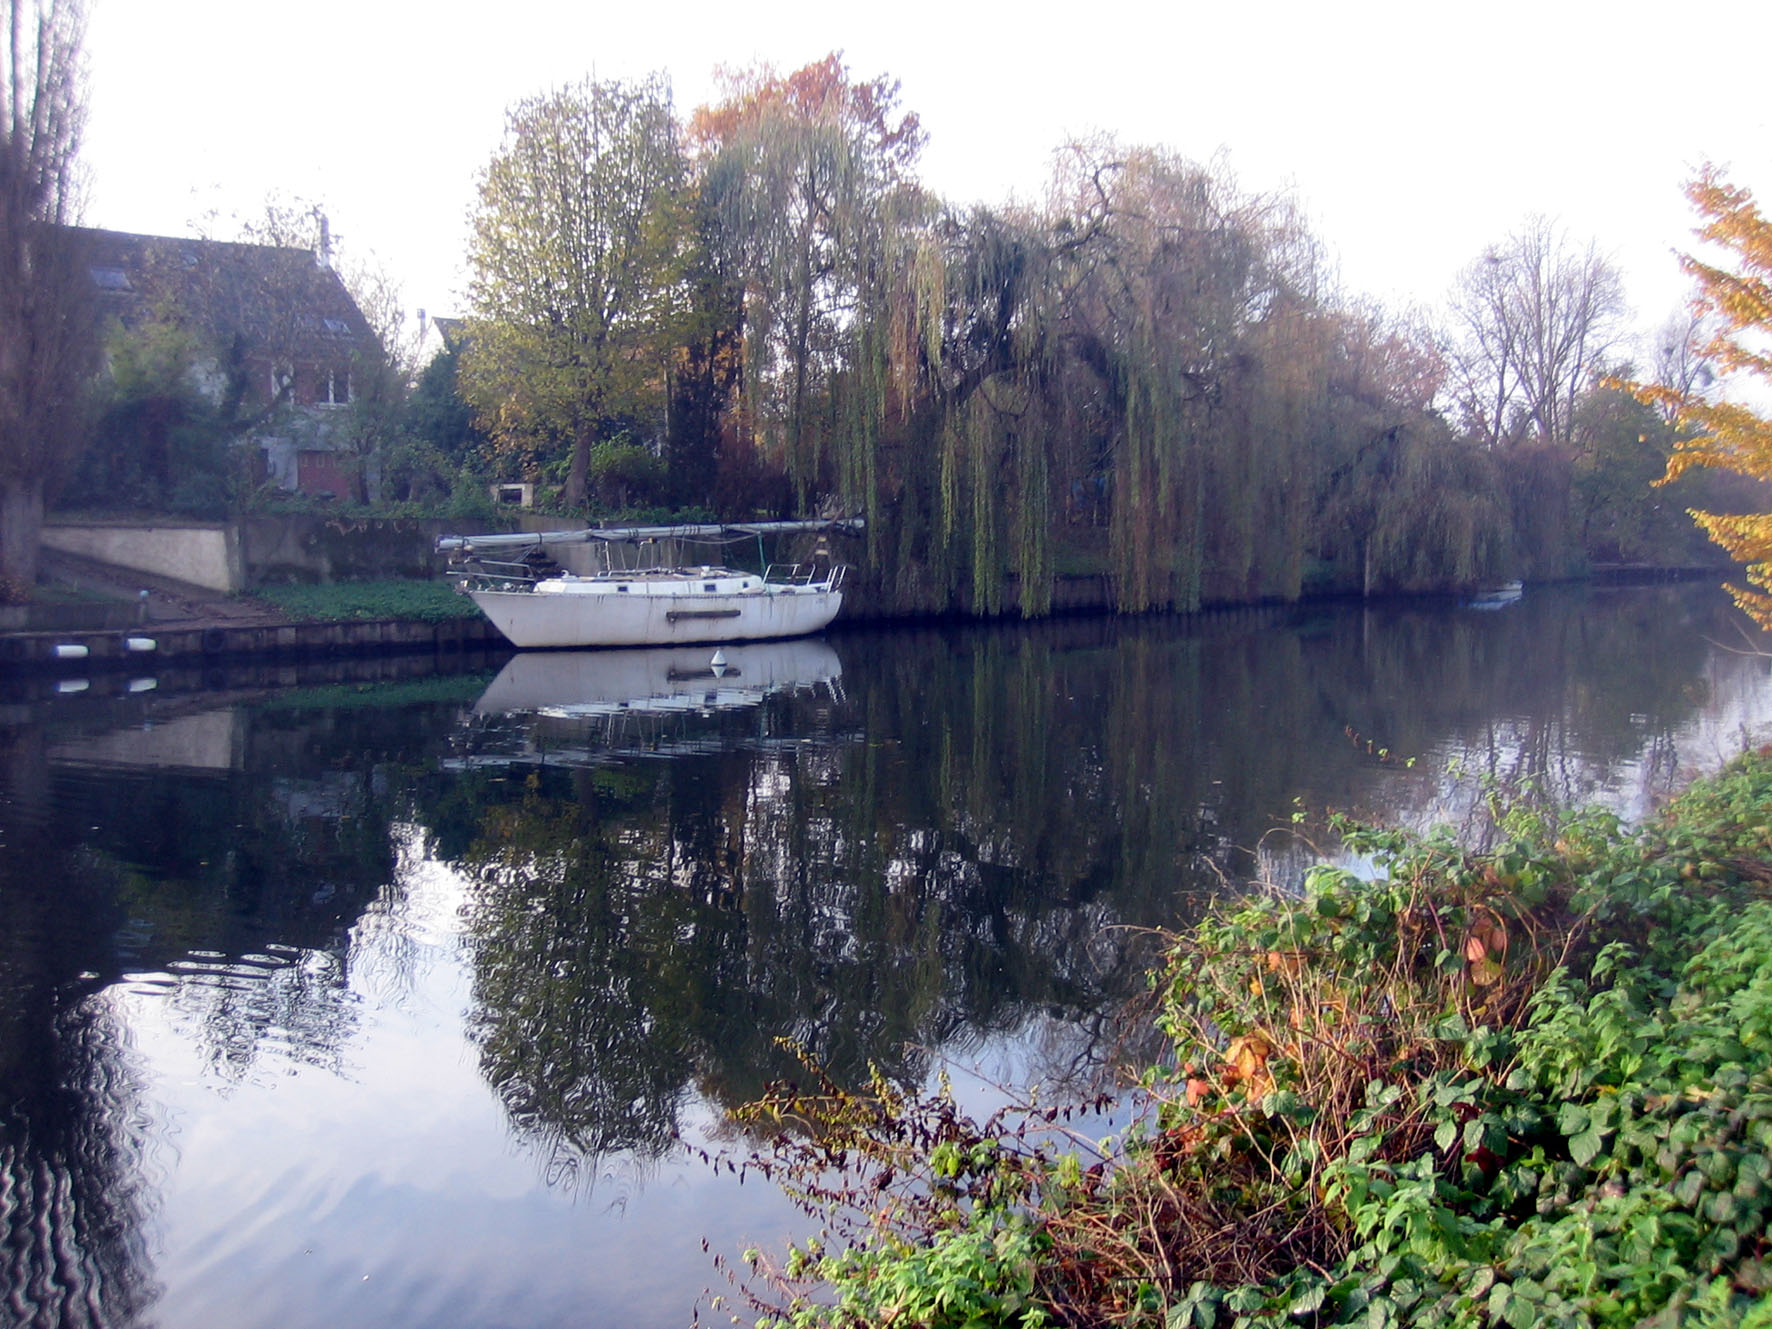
x,y
673,581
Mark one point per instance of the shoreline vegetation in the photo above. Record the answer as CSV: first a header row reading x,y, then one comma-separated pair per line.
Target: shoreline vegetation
x,y
1525,1086
1153,372
434,599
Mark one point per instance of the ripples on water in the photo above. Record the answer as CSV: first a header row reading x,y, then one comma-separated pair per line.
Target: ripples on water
x,y
389,1004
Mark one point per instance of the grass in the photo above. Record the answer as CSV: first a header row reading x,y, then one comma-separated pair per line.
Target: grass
x,y
421,601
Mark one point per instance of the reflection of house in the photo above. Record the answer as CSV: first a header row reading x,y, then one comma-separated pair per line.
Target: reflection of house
x,y
281,339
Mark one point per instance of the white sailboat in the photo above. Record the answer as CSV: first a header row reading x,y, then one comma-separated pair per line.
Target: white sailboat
x,y
647,606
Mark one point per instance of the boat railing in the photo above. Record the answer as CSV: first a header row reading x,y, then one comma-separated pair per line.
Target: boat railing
x,y
805,574
485,574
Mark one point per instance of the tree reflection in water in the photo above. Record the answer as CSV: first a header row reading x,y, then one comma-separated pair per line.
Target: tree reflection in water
x,y
978,839
229,895
72,1196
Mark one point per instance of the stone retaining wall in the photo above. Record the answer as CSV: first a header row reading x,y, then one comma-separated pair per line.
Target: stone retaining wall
x,y
202,554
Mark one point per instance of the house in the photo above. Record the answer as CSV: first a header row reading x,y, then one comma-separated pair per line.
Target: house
x,y
282,339
439,336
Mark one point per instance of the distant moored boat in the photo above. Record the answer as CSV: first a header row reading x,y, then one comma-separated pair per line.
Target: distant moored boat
x,y
1496,596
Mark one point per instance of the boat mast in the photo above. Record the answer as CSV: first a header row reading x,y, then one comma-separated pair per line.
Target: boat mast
x,y
467,544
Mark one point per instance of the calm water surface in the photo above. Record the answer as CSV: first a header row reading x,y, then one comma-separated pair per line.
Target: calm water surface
x,y
334,1000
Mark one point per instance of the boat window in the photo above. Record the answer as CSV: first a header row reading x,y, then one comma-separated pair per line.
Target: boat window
x,y
708,586
621,588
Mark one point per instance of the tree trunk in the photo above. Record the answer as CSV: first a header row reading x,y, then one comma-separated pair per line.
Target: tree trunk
x,y
21,530
797,463
580,471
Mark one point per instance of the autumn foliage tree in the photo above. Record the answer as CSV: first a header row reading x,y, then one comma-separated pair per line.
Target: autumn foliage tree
x,y
1150,375
807,177
1734,302
576,260
1143,373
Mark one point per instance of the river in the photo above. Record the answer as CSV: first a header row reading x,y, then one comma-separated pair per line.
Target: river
x,y
396,996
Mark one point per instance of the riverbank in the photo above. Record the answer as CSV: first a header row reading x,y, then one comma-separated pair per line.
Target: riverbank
x,y
215,639
102,616
98,616
1532,1086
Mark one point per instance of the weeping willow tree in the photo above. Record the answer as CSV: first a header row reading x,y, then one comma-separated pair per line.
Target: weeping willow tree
x,y
1282,397
1150,354
857,298
1145,371
1402,503
808,175
1171,275
1441,522
988,414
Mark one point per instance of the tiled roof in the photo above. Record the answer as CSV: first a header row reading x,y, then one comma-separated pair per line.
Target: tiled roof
x,y
279,298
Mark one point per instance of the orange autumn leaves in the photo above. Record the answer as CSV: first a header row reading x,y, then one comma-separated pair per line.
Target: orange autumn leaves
x,y
1312,1011
1736,300
1485,950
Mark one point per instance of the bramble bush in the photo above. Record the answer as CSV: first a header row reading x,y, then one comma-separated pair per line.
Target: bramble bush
x,y
1526,1087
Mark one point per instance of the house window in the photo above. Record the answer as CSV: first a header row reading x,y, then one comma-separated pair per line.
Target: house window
x,y
282,382
111,279
337,389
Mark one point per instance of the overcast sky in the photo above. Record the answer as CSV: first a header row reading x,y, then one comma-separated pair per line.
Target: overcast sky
x,y
1413,134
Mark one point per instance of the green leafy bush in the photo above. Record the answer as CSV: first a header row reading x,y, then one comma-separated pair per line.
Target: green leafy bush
x,y
1526,1087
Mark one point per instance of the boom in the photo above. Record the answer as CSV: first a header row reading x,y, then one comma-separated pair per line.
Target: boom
x,y
467,544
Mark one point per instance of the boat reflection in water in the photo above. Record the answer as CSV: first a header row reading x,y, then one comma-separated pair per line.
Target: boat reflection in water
x,y
616,699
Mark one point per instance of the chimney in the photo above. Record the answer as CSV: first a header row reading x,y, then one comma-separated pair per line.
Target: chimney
x,y
323,255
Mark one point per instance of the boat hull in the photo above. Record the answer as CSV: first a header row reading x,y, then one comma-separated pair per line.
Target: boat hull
x,y
534,621
568,685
